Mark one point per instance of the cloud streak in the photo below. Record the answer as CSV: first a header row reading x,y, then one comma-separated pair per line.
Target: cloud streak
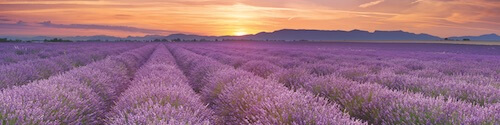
x,y
104,27
371,4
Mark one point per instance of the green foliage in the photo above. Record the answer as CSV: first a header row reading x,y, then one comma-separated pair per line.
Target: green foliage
x,y
9,40
57,40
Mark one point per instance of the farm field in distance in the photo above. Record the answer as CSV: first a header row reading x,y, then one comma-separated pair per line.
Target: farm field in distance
x,y
249,82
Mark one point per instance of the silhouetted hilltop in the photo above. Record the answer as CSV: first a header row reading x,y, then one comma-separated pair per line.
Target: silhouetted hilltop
x,y
290,34
284,34
486,37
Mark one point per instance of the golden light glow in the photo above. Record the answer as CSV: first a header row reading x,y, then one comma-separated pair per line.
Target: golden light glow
x,y
242,17
240,33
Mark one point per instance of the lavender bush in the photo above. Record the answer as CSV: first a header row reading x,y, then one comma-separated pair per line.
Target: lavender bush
x,y
378,105
421,108
260,68
249,83
160,94
61,100
365,69
81,96
25,72
253,100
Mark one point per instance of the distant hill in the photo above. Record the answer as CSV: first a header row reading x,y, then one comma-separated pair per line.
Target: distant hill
x,y
486,37
284,34
290,34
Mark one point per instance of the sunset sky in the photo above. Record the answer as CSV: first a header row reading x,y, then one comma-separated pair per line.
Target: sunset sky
x,y
238,17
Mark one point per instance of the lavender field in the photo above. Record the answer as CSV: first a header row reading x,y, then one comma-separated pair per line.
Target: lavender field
x,y
305,83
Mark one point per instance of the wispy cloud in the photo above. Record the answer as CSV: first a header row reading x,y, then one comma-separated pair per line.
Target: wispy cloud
x,y
104,27
4,19
416,1
18,23
373,3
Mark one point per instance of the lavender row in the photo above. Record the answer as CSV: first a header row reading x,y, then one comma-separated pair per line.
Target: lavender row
x,y
380,105
80,96
443,63
476,94
473,93
376,104
239,97
473,69
160,94
21,73
433,87
15,53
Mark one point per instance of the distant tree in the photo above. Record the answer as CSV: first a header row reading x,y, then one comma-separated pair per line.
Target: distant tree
x,y
57,40
10,40
466,39
446,39
176,40
4,40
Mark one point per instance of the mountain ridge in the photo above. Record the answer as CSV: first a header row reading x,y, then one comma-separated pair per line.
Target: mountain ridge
x,y
485,37
286,35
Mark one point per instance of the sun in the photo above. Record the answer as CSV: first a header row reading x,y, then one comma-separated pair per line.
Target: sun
x,y
240,33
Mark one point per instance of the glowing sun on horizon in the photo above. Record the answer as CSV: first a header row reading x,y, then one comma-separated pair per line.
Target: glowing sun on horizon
x,y
240,33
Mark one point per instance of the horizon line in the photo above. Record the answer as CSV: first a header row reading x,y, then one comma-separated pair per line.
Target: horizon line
x,y
299,29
